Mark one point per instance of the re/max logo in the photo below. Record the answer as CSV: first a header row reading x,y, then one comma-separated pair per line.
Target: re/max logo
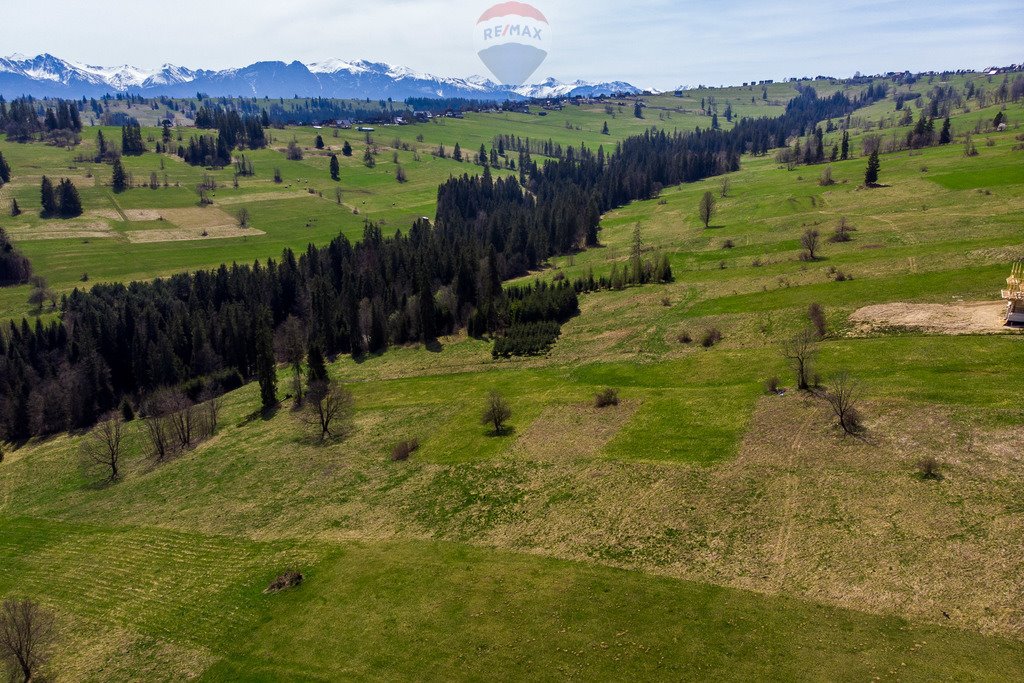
x,y
512,30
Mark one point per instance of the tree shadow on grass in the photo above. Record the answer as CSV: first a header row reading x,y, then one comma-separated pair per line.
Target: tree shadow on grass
x,y
507,430
264,414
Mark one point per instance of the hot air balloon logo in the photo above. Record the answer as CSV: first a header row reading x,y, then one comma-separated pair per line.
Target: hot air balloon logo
x,y
512,39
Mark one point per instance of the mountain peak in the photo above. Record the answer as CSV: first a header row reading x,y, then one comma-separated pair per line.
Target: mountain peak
x,y
48,76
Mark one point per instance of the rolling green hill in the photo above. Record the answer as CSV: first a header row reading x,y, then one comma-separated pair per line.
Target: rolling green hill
x,y
702,528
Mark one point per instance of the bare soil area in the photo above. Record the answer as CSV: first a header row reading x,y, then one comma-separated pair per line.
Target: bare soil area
x,y
961,318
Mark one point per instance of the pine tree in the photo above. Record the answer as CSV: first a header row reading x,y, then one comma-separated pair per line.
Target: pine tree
x,y
319,143
316,370
15,209
5,170
844,152
638,110
101,146
426,301
47,198
335,168
945,137
604,129
266,365
457,154
119,180
871,174
70,202
346,149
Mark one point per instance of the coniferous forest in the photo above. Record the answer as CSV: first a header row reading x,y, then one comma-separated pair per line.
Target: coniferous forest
x,y
124,341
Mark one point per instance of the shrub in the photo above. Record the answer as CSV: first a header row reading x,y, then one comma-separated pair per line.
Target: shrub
x,y
685,338
496,412
289,579
816,314
711,337
607,397
403,449
728,244
929,468
665,301
771,385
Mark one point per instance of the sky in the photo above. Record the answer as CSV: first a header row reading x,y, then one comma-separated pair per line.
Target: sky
x,y
650,43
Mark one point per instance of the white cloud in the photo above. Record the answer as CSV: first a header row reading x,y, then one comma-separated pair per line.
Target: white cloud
x,y
649,42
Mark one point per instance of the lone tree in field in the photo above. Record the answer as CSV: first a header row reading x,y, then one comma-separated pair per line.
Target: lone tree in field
x,y
319,143
26,636
809,241
801,351
842,397
329,408
119,180
346,149
101,450
707,208
496,412
335,168
243,217
871,174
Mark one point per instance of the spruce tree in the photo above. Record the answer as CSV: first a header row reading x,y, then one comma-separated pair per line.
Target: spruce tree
x,y
47,199
604,129
266,365
945,137
15,209
316,370
335,168
119,181
844,152
426,301
871,174
319,143
70,202
346,149
457,154
5,170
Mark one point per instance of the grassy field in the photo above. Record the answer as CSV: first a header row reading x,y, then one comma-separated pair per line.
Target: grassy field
x,y
700,529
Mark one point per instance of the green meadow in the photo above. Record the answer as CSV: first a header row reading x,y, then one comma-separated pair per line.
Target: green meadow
x,y
703,528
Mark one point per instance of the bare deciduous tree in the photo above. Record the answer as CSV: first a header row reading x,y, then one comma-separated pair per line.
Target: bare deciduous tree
x,y
26,634
211,408
707,208
809,241
842,397
800,351
496,412
101,450
328,408
724,186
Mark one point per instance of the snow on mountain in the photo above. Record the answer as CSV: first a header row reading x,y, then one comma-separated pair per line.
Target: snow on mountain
x,y
49,76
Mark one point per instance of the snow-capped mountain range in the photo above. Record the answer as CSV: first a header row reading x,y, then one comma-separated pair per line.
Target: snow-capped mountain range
x,y
49,76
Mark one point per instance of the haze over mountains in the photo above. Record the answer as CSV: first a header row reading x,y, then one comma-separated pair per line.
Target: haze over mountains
x,y
49,76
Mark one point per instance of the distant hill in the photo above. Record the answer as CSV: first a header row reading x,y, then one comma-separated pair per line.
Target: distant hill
x,y
49,76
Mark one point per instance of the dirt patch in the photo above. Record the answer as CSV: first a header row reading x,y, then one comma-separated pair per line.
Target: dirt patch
x,y
182,234
198,217
573,432
262,197
963,318
144,214
62,230
109,214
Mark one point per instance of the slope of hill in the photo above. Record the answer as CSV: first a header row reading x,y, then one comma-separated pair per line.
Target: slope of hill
x,y
703,528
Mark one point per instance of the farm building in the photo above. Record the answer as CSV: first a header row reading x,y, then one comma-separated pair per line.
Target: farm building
x,y
1014,296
